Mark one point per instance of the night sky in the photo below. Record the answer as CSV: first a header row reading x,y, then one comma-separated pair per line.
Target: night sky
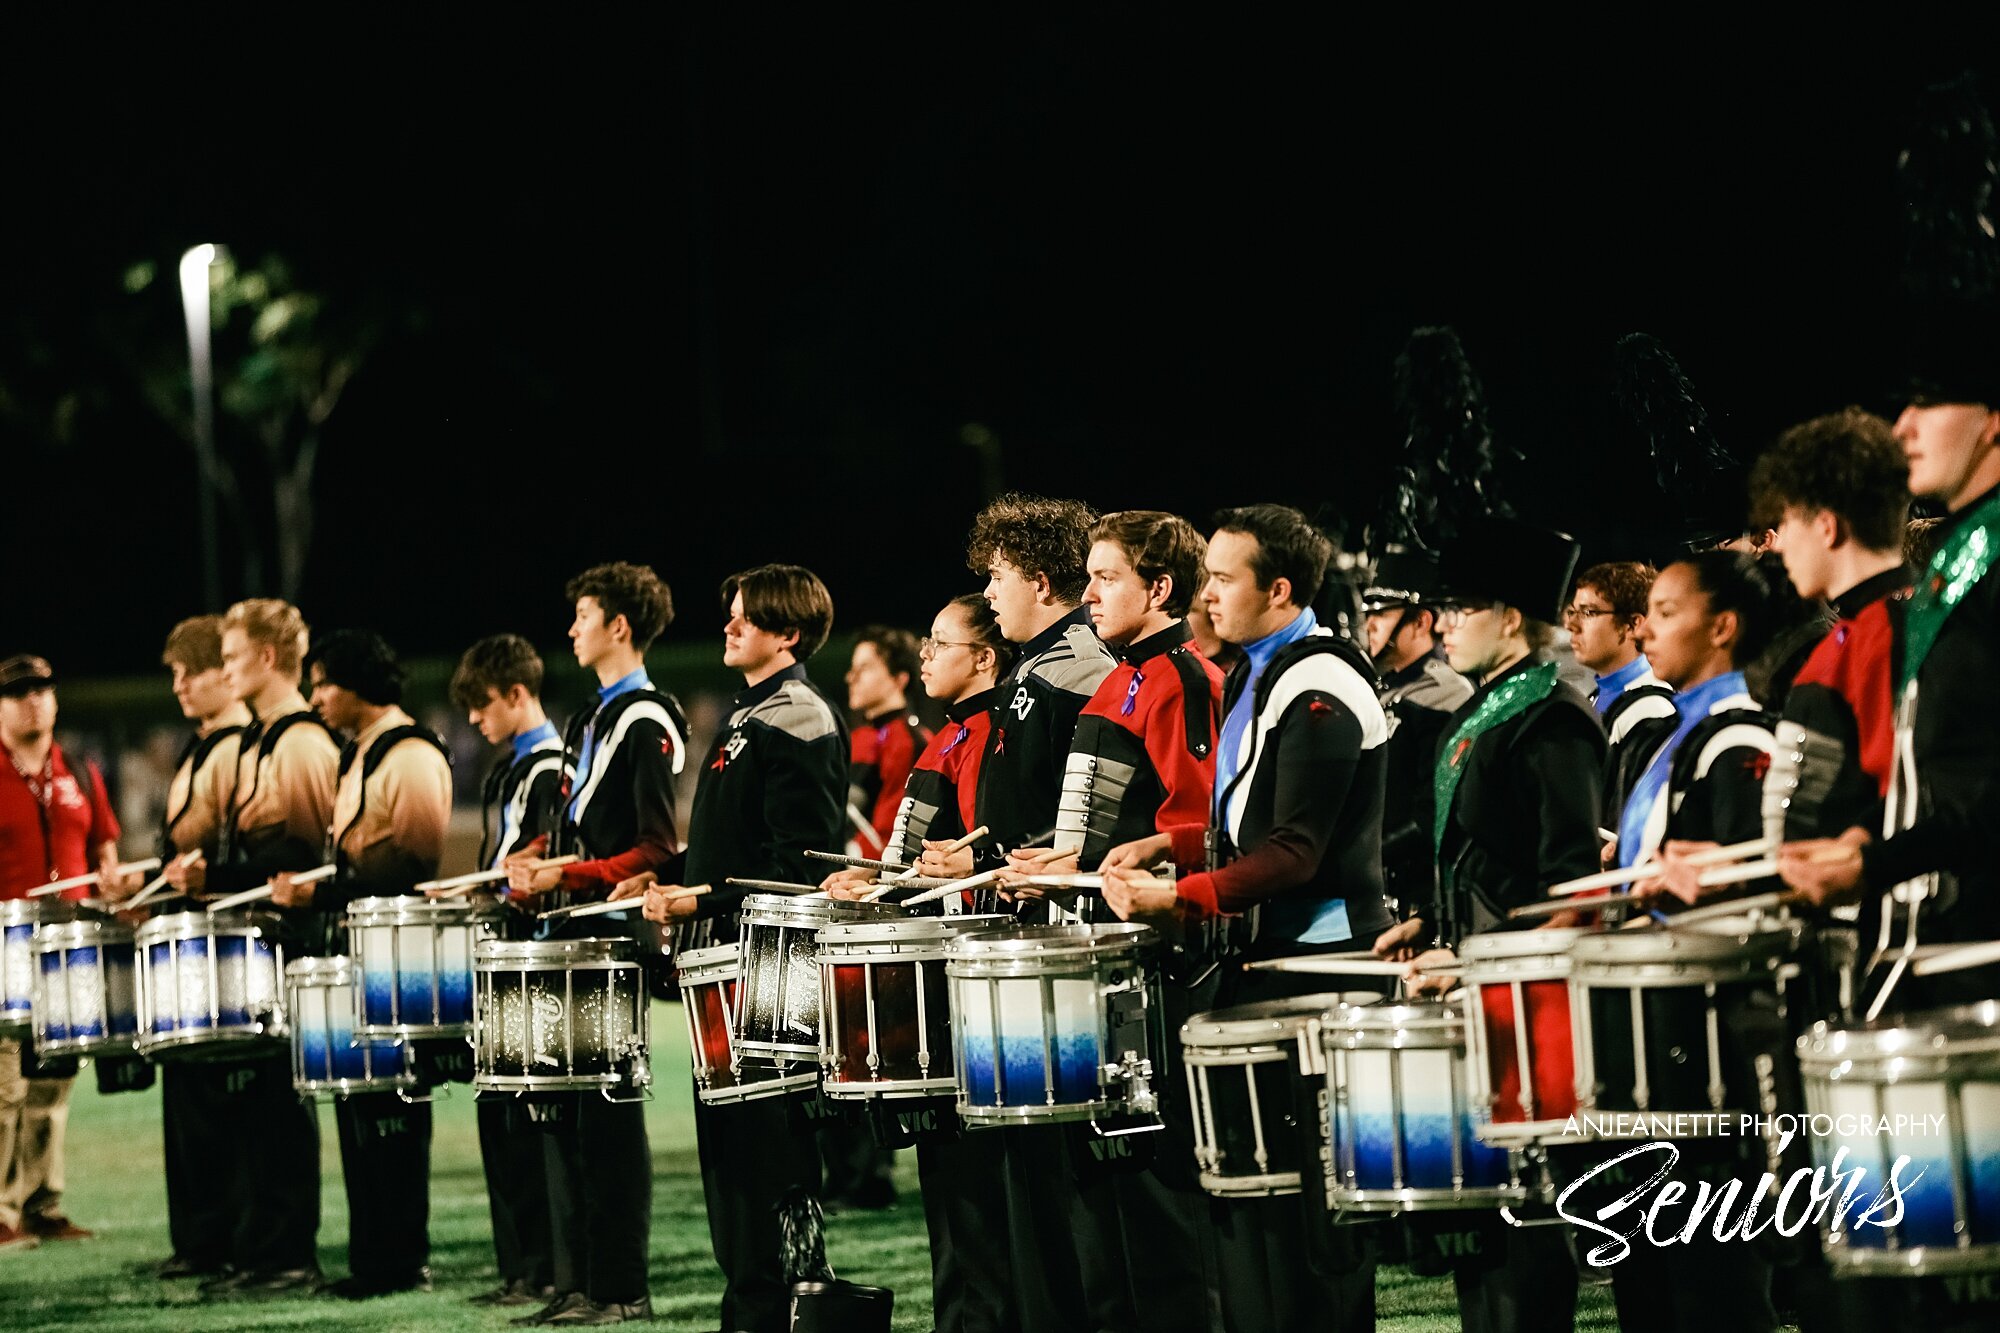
x,y
708,298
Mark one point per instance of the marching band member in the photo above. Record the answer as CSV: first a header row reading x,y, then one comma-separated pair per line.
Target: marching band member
x,y
1518,777
887,737
280,807
55,822
1419,691
198,797
627,750
1293,845
1142,762
391,804
499,685
773,789
1606,617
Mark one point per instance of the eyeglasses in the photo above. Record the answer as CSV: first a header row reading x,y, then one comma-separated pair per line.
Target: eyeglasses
x,y
1450,615
1586,614
928,648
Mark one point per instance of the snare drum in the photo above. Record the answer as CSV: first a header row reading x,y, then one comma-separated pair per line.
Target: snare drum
x,y
208,986
1517,984
558,1015
86,997
327,1058
707,980
1254,1085
1053,1023
1935,1079
1660,1019
1401,1113
777,1022
19,919
415,960
888,1011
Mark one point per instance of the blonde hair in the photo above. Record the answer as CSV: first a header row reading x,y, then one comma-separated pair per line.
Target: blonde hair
x,y
273,621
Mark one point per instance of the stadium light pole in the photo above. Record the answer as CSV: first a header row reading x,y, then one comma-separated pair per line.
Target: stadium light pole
x,y
195,265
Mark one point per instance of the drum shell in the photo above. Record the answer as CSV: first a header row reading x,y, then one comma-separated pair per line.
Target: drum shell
x,y
1049,1021
1941,1069
885,1006
1507,975
20,918
559,1015
86,988
708,987
414,957
328,1058
210,986
778,1007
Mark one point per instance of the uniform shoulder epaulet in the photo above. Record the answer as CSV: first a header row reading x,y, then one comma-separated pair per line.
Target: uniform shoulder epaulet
x,y
1198,708
798,710
1077,663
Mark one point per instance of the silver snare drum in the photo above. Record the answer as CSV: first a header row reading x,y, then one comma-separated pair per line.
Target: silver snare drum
x,y
708,986
414,957
20,918
886,1030
328,1059
209,986
86,991
559,1015
777,1022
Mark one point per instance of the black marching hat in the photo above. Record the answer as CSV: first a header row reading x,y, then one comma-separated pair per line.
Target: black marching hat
x,y
1506,560
1404,576
1948,183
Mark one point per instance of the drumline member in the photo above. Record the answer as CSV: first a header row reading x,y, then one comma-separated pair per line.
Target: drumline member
x,y
55,823
1034,553
499,683
773,788
391,806
198,797
626,752
1606,617
1142,762
1518,794
1293,847
280,807
1419,690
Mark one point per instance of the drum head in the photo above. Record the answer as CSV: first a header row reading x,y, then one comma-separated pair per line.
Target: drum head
x,y
1268,1020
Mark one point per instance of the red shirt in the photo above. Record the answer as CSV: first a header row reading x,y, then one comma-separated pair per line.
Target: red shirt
x,y
33,851
883,750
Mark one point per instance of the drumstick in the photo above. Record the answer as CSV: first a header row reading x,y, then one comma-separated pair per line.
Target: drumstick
x,y
773,886
1557,906
857,862
1341,965
956,845
1085,882
263,891
609,905
465,883
1756,902
950,887
85,881
1959,959
1611,879
160,882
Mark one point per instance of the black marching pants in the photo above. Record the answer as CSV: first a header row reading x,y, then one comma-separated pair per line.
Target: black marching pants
x,y
1509,1279
385,1159
600,1191
965,1193
266,1159
196,1145
752,1154
517,1192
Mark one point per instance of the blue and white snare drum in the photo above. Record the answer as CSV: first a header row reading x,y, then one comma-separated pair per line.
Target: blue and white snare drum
x,y
328,1059
777,1021
415,961
209,986
20,918
1401,1113
887,1011
708,985
559,1015
1255,1086
1941,1070
86,994
1053,1023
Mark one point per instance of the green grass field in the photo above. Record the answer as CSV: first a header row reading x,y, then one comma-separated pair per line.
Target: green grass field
x,y
116,1187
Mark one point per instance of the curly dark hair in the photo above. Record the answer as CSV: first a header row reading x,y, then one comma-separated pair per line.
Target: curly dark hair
x,y
1623,583
1036,536
493,666
1846,463
780,598
359,660
984,627
1288,547
195,645
896,647
632,591
1156,544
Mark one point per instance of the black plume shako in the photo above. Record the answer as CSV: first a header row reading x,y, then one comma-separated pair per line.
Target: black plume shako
x,y
1702,484
1949,321
1448,461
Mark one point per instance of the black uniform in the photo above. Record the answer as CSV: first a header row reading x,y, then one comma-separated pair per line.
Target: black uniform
x,y
774,786
618,813
1418,700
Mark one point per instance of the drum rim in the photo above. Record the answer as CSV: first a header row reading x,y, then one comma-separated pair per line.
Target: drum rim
x,y
686,959
1926,1035
592,949
110,1044
30,911
1683,947
1243,1024
1431,1016
770,1087
418,910
175,926
101,931
346,971
784,909
1513,945
1031,947
924,929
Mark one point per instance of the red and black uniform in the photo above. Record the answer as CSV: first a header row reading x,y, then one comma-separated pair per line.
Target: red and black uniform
x,y
51,824
883,751
938,799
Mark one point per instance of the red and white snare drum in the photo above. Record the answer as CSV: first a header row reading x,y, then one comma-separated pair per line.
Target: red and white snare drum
x,y
886,1029
709,996
1521,1042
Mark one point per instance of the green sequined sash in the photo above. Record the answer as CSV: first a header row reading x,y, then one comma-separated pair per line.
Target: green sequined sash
x,y
1954,571
1509,699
